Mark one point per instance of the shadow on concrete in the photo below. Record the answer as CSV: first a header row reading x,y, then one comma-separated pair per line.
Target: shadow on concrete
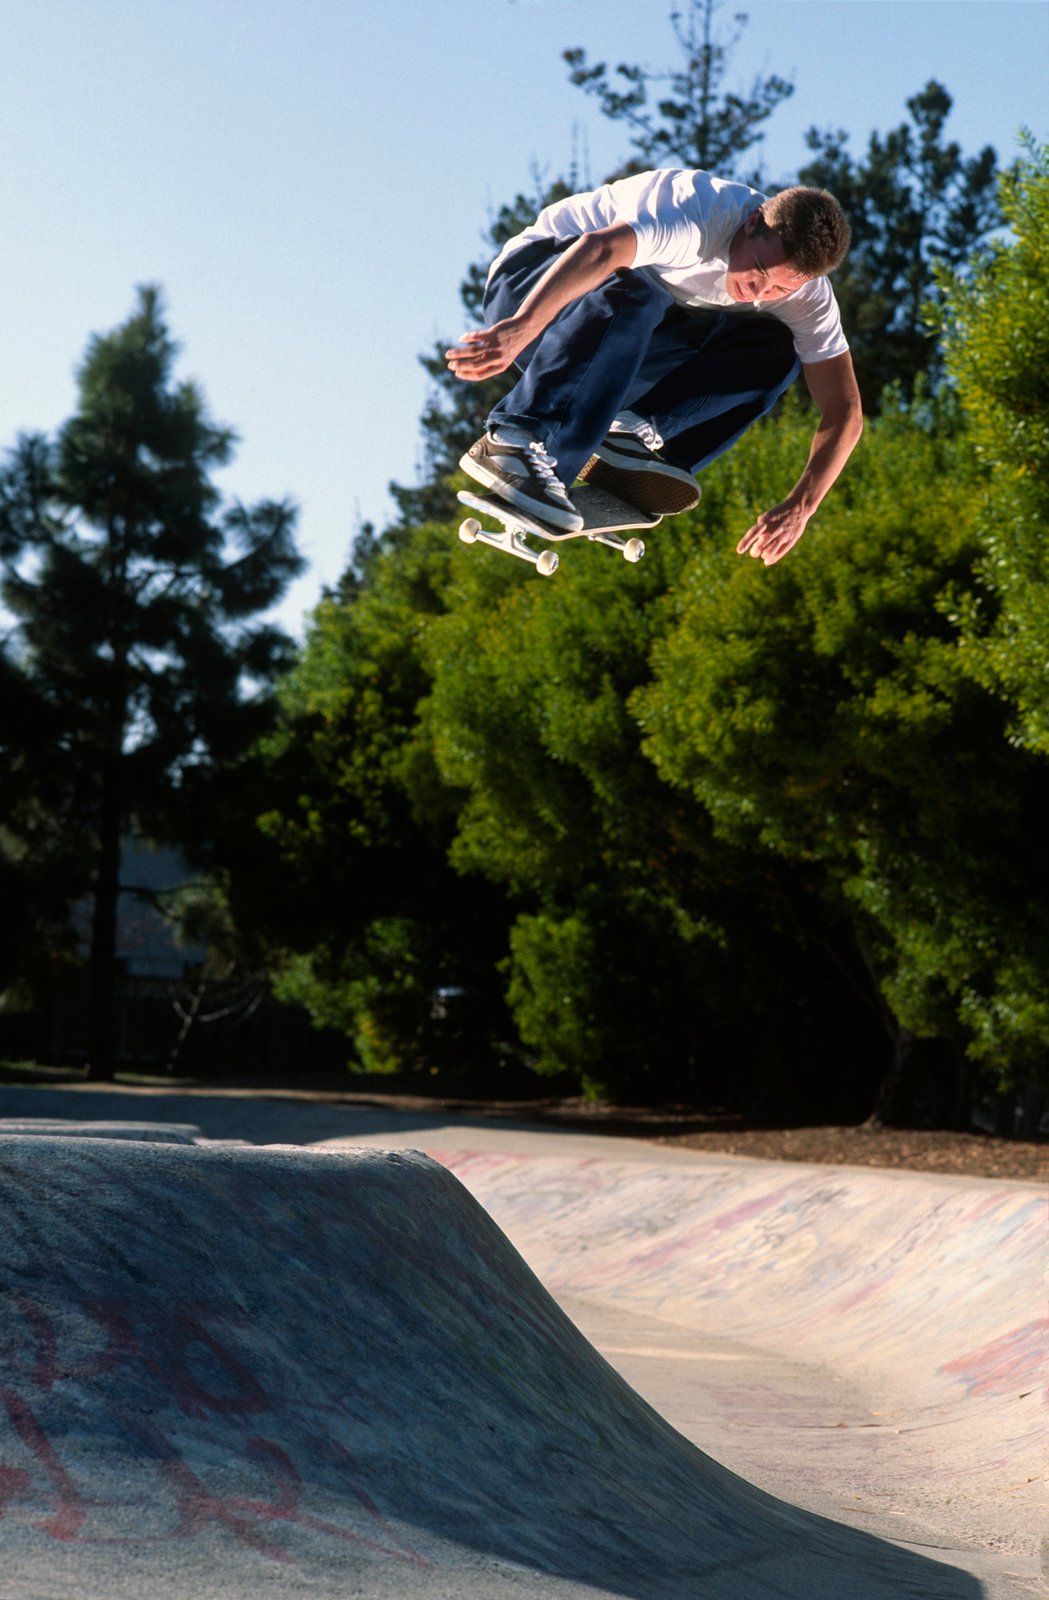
x,y
251,1116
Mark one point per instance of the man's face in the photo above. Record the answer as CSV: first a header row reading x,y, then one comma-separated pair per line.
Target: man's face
x,y
757,271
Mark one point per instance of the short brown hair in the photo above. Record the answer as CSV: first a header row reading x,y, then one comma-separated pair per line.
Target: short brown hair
x,y
813,227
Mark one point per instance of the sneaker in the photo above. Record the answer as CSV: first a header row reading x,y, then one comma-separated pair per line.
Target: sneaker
x,y
523,474
629,465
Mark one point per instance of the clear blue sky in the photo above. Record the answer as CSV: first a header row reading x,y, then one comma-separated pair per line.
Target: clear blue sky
x,y
309,179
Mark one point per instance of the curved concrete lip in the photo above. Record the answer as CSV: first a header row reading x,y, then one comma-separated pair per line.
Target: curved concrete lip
x,y
868,1346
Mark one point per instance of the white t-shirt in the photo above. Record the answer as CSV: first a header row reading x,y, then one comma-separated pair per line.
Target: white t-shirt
x,y
685,222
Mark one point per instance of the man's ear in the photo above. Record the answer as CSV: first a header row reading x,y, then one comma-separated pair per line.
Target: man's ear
x,y
751,221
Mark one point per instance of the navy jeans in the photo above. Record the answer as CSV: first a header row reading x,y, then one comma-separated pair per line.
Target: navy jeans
x,y
700,377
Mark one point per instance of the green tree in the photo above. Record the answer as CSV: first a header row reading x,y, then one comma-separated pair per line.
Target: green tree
x,y
995,322
367,924
456,729
135,594
915,205
648,957
39,865
684,117
822,713
526,720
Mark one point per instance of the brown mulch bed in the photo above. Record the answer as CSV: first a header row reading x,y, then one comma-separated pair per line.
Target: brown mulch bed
x,y
912,1149
917,1150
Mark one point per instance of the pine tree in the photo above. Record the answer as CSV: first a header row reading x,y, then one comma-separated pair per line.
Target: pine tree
x,y
915,206
135,592
696,124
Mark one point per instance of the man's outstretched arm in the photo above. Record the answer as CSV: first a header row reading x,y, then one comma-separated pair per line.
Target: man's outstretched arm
x,y
484,352
832,385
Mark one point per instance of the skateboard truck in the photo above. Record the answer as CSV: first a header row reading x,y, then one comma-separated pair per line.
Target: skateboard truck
x,y
604,520
545,561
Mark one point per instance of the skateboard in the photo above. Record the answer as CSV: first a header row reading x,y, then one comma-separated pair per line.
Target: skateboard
x,y
605,519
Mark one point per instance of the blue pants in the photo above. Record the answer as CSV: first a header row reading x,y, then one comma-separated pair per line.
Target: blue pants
x,y
700,377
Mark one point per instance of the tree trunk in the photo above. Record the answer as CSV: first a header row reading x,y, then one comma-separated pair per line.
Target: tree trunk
x,y
965,1086
893,1108
1032,1109
102,967
189,1017
1005,1114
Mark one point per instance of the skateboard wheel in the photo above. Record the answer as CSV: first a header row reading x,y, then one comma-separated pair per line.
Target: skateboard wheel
x,y
547,563
469,530
634,549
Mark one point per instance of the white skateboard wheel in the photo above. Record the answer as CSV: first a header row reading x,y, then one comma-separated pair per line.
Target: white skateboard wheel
x,y
547,563
634,549
469,530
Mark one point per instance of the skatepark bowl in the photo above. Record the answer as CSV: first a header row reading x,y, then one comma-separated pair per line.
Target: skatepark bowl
x,y
411,1358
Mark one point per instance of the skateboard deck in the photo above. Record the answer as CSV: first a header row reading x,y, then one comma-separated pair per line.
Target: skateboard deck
x,y
605,520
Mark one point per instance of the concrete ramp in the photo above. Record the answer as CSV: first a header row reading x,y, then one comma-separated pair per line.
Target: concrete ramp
x,y
870,1344
243,1373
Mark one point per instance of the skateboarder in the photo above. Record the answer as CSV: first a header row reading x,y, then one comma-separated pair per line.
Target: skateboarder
x,y
654,319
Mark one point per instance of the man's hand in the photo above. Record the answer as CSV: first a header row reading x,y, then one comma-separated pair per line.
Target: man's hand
x,y
774,533
588,261
484,352
832,385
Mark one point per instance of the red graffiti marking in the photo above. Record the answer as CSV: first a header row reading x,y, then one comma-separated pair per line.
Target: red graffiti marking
x,y
69,1517
40,1326
13,1482
240,1515
1013,1362
134,1339
338,1453
164,1347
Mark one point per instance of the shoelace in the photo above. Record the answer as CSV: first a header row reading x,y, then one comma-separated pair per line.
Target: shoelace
x,y
543,464
649,437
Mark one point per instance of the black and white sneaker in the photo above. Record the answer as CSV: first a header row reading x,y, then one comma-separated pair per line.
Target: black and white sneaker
x,y
628,464
523,475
